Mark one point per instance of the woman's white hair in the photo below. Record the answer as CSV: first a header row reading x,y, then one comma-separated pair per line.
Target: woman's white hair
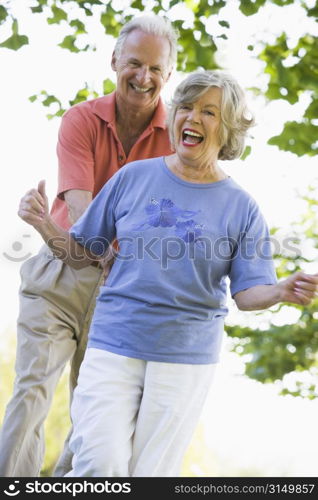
x,y
153,25
235,117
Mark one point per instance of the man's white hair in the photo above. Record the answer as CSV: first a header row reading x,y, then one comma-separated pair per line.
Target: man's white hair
x,y
153,25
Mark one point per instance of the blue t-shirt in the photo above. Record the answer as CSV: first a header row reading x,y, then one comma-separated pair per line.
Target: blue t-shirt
x,y
179,242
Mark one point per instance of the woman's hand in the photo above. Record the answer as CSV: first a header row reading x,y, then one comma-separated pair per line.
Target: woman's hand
x,y
34,206
299,288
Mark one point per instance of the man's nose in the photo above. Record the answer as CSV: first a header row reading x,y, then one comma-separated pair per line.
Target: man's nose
x,y
143,74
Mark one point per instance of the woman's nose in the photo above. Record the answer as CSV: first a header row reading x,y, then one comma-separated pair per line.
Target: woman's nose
x,y
194,115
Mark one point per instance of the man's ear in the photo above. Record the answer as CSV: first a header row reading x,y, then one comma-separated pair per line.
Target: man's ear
x,y
169,74
113,62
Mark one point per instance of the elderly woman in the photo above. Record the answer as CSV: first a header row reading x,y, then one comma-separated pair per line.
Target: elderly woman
x,y
183,227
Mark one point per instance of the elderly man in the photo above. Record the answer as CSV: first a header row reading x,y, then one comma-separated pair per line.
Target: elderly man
x,y
96,138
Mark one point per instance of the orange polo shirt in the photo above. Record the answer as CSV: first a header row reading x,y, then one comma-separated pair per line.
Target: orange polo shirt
x,y
89,151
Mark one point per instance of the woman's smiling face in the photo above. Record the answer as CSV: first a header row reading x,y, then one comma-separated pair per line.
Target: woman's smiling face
x,y
196,129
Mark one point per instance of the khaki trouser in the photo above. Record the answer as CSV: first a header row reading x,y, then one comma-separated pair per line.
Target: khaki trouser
x,y
56,307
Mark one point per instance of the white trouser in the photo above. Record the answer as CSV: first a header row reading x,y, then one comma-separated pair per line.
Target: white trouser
x,y
133,417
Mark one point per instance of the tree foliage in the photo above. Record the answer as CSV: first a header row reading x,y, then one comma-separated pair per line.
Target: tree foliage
x,y
292,67
288,352
294,71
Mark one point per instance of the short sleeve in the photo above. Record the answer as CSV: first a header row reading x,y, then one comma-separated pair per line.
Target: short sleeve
x,y
96,228
75,153
252,263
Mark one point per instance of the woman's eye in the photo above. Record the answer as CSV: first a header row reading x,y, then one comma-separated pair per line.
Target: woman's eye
x,y
210,113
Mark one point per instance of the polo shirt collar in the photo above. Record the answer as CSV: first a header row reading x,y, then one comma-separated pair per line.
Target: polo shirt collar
x,y
105,108
159,118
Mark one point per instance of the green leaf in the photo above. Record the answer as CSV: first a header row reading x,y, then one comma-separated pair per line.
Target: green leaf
x,y
137,4
15,27
157,8
37,10
290,81
250,7
87,5
3,14
246,152
15,41
193,53
39,7
313,12
83,95
225,24
50,99
172,3
58,15
207,8
88,12
58,114
86,2
108,20
191,4
298,137
80,27
312,110
108,86
282,3
47,100
69,44
274,230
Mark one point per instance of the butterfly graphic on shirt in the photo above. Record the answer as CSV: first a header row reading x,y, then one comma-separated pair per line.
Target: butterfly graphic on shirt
x,y
164,213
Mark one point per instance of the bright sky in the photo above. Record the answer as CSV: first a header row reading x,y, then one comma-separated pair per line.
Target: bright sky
x,y
245,423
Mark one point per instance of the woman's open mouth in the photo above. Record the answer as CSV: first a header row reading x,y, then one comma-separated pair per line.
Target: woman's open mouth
x,y
191,137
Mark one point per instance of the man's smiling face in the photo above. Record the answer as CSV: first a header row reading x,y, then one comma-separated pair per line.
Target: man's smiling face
x,y
142,69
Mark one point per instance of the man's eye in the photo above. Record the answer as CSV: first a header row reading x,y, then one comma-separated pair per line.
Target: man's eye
x,y
156,70
185,106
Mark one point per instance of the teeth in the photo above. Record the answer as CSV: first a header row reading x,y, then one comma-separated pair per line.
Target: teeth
x,y
139,89
194,134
